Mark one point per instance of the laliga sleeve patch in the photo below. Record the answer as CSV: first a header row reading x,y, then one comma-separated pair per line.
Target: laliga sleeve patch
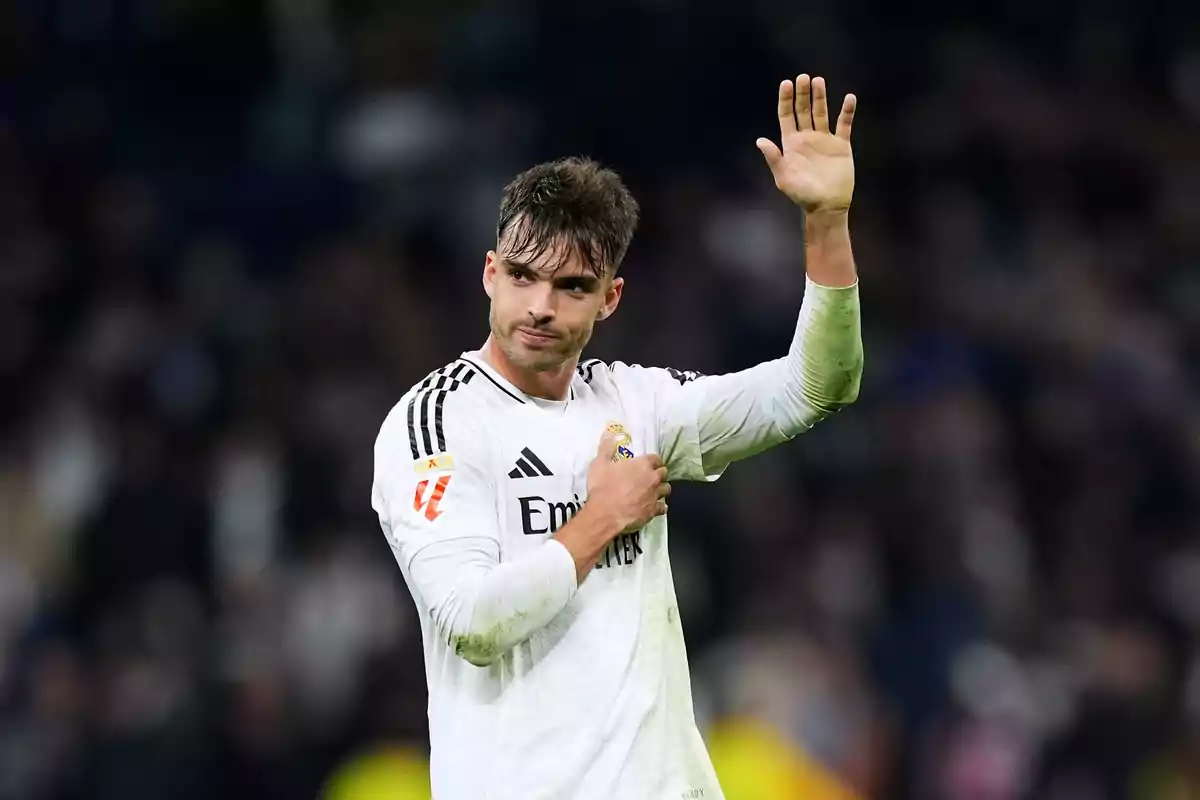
x,y
442,463
428,498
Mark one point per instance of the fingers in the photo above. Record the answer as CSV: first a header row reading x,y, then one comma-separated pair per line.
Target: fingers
x,y
820,110
653,460
664,491
804,102
661,508
770,153
846,118
661,474
787,114
811,113
608,446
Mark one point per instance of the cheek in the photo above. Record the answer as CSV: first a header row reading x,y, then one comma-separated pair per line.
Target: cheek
x,y
583,318
504,305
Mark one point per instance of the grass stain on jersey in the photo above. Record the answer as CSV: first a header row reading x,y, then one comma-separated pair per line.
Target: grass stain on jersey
x,y
485,647
833,377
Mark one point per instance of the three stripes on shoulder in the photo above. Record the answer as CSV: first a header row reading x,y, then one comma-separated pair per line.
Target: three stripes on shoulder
x,y
425,430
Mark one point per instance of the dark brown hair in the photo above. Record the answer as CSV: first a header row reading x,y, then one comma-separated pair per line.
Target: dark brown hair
x,y
572,200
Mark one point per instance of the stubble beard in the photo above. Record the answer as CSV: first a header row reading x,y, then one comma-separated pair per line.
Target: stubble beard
x,y
535,361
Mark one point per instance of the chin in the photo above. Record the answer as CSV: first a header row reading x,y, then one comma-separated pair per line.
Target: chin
x,y
544,361
525,358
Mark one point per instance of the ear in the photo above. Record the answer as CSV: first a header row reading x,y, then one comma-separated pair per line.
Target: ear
x,y
612,297
491,263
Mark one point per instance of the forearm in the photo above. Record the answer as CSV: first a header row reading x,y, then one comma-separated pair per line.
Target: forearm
x,y
825,361
823,369
483,610
821,374
746,412
488,608
586,536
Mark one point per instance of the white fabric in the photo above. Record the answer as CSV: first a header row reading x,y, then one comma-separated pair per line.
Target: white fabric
x,y
539,688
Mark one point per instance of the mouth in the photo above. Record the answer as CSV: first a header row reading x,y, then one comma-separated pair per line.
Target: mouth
x,y
533,336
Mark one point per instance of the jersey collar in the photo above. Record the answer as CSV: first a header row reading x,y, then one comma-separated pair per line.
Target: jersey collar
x,y
475,359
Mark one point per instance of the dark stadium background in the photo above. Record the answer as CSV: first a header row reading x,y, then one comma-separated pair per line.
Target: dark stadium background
x,y
233,232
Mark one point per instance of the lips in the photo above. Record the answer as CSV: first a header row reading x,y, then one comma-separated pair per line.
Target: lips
x,y
536,335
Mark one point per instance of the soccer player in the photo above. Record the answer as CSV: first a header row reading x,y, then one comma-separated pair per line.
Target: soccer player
x,y
524,493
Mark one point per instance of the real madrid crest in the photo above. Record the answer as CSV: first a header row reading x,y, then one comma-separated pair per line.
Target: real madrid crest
x,y
624,441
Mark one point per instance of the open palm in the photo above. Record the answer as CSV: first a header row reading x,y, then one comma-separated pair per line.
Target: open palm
x,y
815,169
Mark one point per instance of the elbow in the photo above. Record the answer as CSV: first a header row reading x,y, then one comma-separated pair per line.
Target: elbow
x,y
850,388
462,623
484,645
838,393
476,649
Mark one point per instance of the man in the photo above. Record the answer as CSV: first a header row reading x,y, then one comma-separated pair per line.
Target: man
x,y
523,493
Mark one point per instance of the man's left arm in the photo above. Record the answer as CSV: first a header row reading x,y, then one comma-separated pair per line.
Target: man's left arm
x,y
706,423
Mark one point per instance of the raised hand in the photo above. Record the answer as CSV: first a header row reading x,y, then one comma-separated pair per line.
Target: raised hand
x,y
815,168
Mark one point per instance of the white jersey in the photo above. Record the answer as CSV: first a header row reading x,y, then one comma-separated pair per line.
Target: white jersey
x,y
572,691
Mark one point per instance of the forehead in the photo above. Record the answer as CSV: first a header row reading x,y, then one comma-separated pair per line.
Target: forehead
x,y
558,258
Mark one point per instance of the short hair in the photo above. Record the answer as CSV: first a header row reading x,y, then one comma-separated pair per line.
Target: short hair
x,y
571,200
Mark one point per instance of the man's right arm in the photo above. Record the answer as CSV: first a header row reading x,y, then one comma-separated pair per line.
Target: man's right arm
x,y
441,524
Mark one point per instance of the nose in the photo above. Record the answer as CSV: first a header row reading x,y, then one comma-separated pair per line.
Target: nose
x,y
541,304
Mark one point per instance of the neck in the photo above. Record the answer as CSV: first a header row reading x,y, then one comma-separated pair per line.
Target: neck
x,y
547,385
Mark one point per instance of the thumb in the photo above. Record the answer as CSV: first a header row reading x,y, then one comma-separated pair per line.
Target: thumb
x,y
608,446
770,152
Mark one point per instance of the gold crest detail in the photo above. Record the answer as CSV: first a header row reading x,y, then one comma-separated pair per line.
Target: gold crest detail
x,y
624,441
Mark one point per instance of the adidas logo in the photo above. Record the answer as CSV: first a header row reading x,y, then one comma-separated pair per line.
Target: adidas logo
x,y
529,466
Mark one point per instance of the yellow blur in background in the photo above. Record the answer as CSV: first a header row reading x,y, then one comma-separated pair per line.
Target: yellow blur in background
x,y
752,760
388,773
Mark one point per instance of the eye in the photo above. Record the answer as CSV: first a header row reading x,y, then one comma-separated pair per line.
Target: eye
x,y
578,286
519,276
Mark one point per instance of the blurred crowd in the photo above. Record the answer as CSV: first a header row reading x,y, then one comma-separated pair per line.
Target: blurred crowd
x,y
233,233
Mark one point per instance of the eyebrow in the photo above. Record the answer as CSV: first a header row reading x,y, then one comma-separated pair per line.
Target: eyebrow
x,y
588,282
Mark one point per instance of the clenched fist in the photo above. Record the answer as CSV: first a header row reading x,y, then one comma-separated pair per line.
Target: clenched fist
x,y
622,497
632,491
